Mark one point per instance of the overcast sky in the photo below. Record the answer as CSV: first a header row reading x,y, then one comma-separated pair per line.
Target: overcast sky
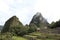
x,y
25,9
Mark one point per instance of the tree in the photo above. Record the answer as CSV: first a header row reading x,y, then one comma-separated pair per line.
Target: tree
x,y
56,24
6,36
51,25
32,28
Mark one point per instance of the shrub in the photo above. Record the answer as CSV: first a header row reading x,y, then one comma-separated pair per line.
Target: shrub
x,y
6,36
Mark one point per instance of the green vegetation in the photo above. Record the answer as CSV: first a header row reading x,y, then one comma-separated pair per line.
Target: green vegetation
x,y
11,23
38,36
43,36
14,26
18,38
6,36
32,28
31,36
55,24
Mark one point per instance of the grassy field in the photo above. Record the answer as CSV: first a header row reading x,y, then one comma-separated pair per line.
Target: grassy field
x,y
38,36
18,38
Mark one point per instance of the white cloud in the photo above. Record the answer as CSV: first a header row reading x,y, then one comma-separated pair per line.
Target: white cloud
x,y
49,8
3,7
25,9
20,8
19,1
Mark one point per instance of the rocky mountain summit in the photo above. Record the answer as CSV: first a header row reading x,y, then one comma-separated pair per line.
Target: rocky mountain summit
x,y
39,20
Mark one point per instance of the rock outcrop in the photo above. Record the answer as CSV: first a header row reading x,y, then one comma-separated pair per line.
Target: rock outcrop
x,y
12,22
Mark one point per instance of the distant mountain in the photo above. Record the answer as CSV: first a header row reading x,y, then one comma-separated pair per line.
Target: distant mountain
x,y
39,20
11,23
1,28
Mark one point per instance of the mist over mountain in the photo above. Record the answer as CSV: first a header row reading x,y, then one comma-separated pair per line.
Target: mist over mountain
x,y
39,20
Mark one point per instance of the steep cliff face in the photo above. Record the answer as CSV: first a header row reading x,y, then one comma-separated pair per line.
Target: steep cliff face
x,y
12,22
39,20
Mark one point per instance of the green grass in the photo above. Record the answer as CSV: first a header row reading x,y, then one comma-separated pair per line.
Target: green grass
x,y
30,36
35,33
18,38
45,36
38,36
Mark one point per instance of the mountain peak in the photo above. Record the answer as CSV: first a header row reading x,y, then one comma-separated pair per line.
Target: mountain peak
x,y
14,17
38,19
12,22
38,14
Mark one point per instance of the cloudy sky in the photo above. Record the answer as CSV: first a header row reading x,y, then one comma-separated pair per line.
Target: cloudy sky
x,y
25,9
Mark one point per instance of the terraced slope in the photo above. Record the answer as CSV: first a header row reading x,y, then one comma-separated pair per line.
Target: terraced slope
x,y
42,36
